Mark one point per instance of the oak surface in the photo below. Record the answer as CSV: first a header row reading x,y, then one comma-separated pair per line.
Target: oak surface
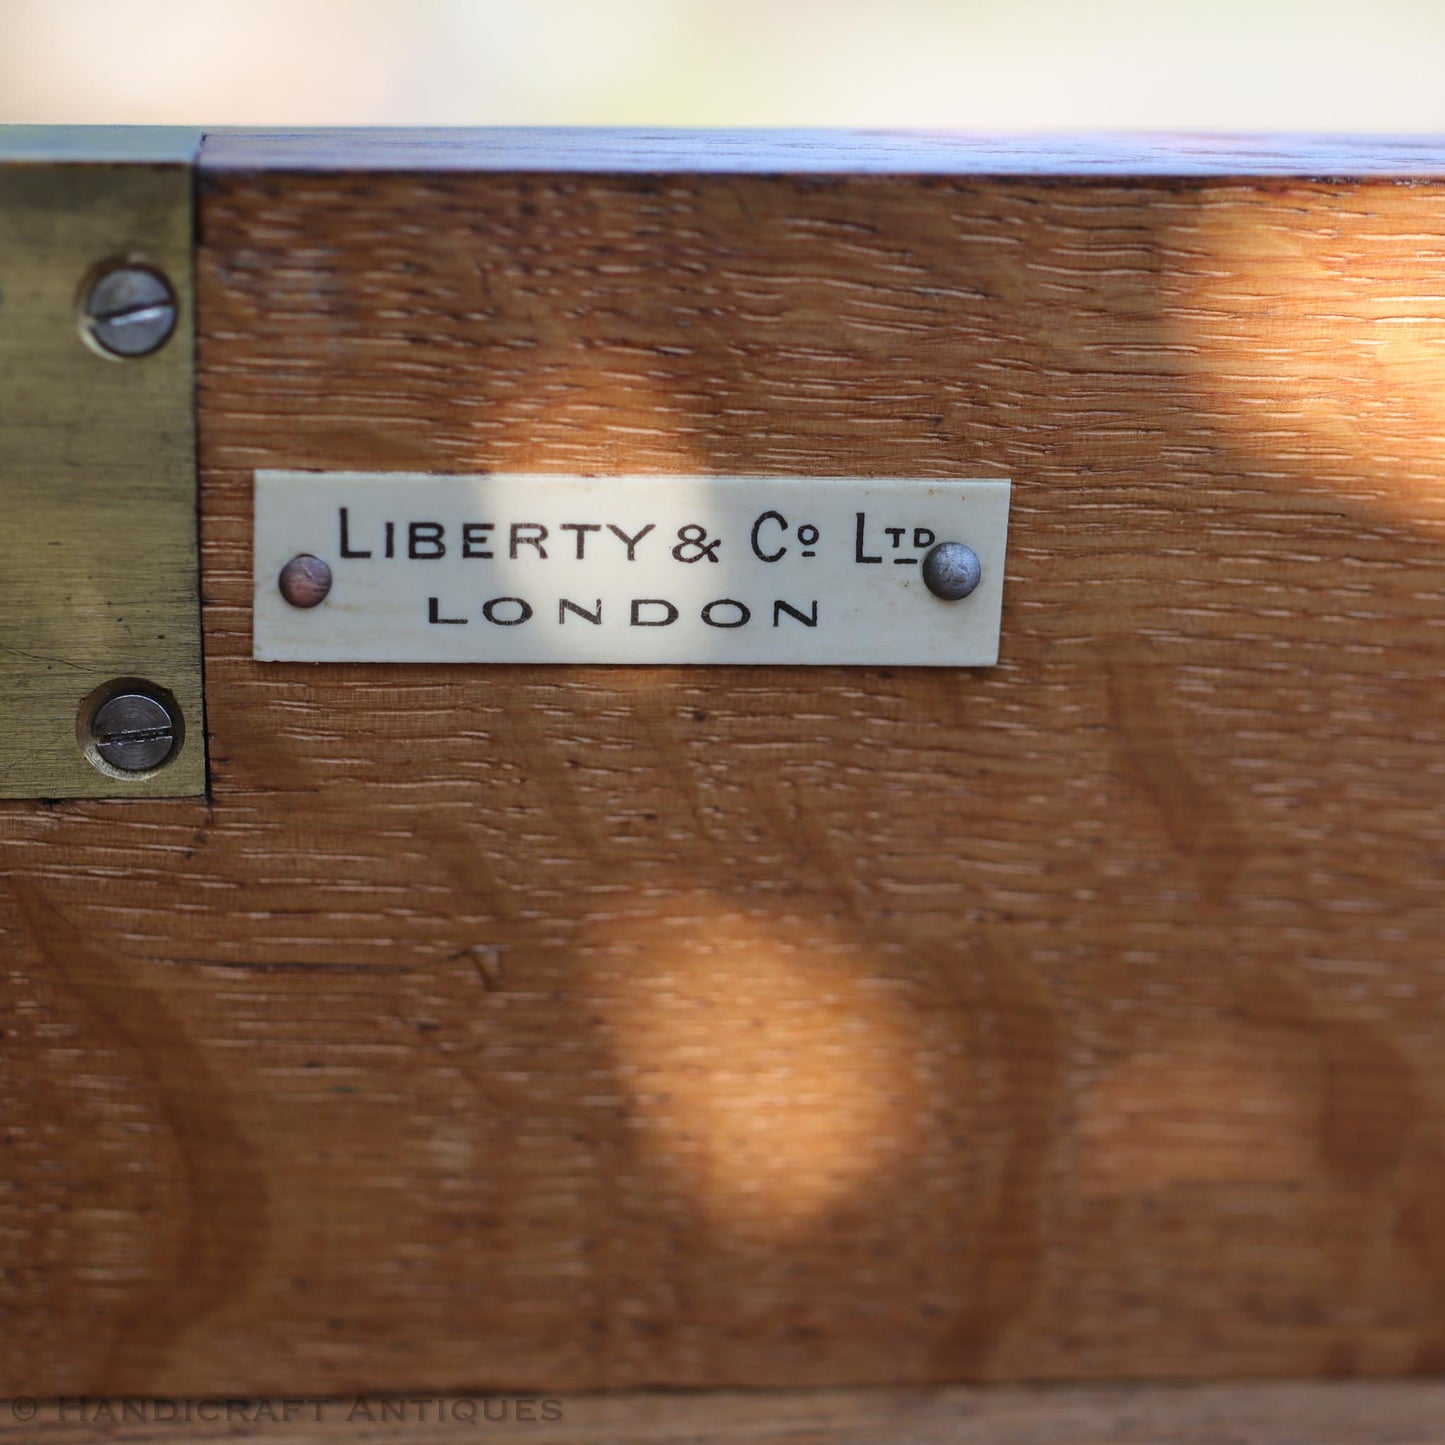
x,y
1334,1413
574,1029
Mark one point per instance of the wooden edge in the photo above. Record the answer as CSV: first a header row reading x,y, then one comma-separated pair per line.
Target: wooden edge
x,y
1325,1413
819,152
742,152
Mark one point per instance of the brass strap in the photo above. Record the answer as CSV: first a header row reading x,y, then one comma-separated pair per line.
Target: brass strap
x,y
98,545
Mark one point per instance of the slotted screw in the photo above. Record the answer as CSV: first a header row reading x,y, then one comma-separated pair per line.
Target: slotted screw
x,y
133,732
130,311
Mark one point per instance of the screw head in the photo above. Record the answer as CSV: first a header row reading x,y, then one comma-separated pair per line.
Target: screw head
x,y
133,732
305,580
130,311
951,570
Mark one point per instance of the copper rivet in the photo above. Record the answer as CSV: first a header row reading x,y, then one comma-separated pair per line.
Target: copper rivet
x,y
952,571
305,581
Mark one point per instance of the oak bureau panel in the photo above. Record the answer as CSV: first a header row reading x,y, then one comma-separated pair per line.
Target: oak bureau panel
x,y
576,1027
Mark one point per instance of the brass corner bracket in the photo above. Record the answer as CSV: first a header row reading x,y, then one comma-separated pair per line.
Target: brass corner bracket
x,y
99,590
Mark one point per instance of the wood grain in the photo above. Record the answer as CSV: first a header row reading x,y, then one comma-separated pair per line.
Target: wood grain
x,y
1336,1413
562,1030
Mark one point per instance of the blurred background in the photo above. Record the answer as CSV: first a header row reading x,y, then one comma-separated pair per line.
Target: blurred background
x,y
977,64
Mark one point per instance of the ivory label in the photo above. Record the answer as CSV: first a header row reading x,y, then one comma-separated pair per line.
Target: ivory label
x,y
626,569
